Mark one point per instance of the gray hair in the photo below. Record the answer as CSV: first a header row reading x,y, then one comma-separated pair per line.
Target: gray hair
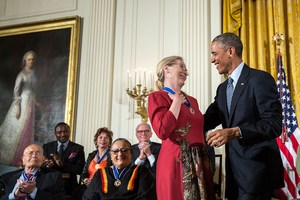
x,y
143,123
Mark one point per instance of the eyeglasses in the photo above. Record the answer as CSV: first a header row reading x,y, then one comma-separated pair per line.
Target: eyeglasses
x,y
143,131
31,153
123,151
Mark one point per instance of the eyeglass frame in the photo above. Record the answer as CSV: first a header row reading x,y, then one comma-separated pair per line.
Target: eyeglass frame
x,y
123,151
143,131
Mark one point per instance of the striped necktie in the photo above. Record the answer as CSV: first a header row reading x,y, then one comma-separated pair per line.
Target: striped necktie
x,y
229,92
61,150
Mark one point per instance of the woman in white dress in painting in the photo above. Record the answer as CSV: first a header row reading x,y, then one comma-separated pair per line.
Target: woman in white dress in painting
x,y
17,129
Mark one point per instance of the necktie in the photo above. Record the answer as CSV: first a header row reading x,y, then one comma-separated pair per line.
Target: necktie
x,y
229,92
28,176
61,150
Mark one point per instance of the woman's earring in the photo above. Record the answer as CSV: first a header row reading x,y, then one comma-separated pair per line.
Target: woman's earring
x,y
169,75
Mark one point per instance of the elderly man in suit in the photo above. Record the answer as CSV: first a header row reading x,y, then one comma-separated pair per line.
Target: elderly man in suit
x,y
145,152
247,105
33,182
65,156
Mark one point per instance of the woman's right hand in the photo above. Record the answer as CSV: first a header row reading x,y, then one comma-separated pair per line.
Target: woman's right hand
x,y
87,181
178,100
177,97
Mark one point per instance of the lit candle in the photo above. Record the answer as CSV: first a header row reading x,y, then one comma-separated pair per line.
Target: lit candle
x,y
135,77
145,78
152,77
150,82
140,74
153,80
128,79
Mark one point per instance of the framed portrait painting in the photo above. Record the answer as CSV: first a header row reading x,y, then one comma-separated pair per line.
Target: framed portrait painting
x,y
38,81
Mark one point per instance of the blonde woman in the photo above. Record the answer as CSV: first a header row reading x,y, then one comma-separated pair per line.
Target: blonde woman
x,y
183,168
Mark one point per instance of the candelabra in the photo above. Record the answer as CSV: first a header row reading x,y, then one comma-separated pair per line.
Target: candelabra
x,y
140,96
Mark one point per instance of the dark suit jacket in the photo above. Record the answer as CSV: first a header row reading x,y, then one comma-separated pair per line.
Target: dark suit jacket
x,y
49,184
102,186
73,162
254,160
155,148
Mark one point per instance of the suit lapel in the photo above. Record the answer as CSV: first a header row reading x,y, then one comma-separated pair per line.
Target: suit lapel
x,y
40,179
223,99
68,150
243,79
54,147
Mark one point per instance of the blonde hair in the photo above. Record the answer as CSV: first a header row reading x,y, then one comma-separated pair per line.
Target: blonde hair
x,y
171,60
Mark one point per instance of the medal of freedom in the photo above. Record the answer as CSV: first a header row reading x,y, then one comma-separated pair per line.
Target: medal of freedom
x,y
117,183
97,166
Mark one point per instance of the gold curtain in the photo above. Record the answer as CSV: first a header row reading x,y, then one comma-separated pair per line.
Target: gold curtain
x,y
256,22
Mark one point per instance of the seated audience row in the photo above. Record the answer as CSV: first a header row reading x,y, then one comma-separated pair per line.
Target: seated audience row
x,y
68,158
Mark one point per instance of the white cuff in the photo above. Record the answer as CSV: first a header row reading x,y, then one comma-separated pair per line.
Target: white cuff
x,y
151,159
138,161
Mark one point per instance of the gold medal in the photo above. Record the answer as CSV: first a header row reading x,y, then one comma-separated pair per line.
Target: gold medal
x,y
117,183
97,166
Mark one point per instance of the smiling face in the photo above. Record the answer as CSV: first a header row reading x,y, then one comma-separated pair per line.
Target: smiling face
x,y
222,57
62,133
143,133
178,72
121,153
103,141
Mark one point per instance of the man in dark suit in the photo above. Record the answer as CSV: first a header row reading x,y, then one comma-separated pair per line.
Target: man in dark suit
x,y
145,152
65,156
251,123
33,182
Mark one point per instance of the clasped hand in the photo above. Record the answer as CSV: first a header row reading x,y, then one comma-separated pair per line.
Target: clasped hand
x,y
144,150
25,188
56,159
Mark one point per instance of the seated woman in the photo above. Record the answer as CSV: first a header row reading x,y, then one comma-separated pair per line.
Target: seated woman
x,y
122,180
100,157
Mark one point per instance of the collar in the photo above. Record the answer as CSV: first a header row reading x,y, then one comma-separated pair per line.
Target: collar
x,y
65,144
235,75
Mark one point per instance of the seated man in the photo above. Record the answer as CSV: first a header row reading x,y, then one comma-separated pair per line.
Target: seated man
x,y
65,156
145,152
122,180
33,182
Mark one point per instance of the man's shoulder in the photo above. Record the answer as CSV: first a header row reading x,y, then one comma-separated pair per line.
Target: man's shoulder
x,y
49,144
10,174
49,171
74,144
257,72
156,144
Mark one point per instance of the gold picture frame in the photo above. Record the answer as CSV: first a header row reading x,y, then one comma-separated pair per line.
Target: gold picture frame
x,y
56,45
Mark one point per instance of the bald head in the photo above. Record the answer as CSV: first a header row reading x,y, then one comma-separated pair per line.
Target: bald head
x,y
33,157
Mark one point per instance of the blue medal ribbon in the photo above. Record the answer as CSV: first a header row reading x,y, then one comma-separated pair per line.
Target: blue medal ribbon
x,y
169,90
187,103
118,175
31,178
98,159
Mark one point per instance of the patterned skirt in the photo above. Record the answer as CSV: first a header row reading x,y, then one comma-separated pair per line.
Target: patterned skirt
x,y
197,174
